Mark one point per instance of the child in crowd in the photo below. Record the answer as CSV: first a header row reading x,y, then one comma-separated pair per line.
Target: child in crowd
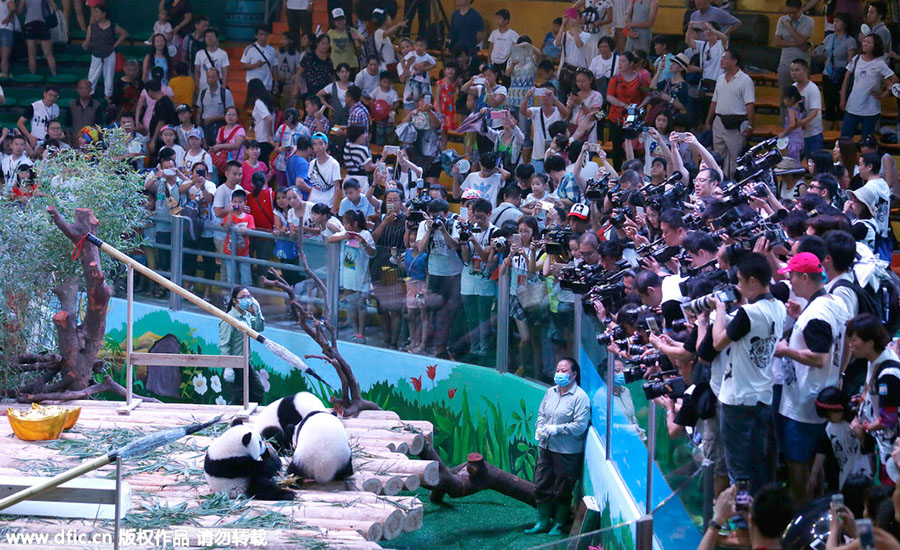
x,y
315,120
242,220
287,58
195,152
357,160
185,124
353,200
501,39
403,73
168,135
252,164
793,130
161,26
384,129
418,62
150,252
448,89
285,137
838,439
359,248
550,49
383,45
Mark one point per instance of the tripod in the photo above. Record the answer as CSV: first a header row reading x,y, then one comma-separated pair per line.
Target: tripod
x,y
434,32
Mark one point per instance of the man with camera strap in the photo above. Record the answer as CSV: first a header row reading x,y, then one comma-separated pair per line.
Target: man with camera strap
x,y
813,362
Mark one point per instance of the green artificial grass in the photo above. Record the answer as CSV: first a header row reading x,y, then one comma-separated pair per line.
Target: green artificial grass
x,y
485,520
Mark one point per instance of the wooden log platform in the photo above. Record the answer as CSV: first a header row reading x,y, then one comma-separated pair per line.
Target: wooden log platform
x,y
170,495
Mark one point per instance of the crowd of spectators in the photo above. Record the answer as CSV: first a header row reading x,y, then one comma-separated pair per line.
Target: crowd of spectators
x,y
758,278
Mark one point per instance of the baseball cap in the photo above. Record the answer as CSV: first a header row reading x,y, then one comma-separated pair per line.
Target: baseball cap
x,y
867,196
804,262
195,133
183,108
337,12
581,211
471,194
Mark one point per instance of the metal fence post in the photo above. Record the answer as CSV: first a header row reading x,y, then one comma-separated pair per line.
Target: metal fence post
x,y
333,281
232,252
644,536
503,322
610,386
118,506
129,337
576,327
651,453
246,373
708,488
177,255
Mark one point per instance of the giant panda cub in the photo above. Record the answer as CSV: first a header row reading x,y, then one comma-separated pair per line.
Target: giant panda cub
x,y
277,420
321,449
239,462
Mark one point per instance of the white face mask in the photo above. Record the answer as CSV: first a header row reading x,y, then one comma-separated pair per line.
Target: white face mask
x,y
169,172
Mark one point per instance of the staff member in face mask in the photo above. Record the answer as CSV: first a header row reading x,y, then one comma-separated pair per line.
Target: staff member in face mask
x,y
243,307
561,430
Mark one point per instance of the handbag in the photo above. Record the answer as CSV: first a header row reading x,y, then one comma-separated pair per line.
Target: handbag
x,y
532,295
49,15
220,157
851,76
406,132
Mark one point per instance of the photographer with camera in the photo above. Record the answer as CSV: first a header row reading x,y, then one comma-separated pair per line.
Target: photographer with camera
x,y
746,392
437,237
625,88
813,361
477,289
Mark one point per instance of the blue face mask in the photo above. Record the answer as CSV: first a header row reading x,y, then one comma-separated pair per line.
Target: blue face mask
x,y
245,303
561,379
619,379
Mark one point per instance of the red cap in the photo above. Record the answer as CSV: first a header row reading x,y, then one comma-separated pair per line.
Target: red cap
x,y
92,3
804,262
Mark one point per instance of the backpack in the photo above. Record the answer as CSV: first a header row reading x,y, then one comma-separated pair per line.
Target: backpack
x,y
194,220
884,302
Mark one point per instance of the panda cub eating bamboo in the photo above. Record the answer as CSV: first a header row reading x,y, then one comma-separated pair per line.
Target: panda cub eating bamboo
x,y
239,462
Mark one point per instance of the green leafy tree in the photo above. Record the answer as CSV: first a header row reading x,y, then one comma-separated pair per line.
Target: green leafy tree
x,y
53,307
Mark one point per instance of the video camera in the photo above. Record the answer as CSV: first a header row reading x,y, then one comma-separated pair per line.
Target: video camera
x,y
633,125
761,157
466,229
596,189
417,208
664,383
556,239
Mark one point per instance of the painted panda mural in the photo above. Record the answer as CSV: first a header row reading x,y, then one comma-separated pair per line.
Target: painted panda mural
x,y
321,449
277,420
239,462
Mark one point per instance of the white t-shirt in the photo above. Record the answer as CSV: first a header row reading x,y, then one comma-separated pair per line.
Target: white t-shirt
x,y
848,452
802,383
191,159
541,130
206,212
385,49
10,167
222,199
603,68
355,263
476,277
4,13
503,43
41,117
262,128
812,99
219,60
389,96
710,56
867,76
747,376
422,76
443,261
323,177
489,187
573,54
297,4
254,54
366,82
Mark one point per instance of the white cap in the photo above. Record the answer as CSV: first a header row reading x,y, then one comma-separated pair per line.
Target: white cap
x,y
337,12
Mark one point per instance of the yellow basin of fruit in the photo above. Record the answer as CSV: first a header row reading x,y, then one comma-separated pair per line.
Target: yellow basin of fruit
x,y
42,423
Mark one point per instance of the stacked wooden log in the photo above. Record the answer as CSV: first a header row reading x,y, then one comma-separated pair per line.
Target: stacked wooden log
x,y
347,515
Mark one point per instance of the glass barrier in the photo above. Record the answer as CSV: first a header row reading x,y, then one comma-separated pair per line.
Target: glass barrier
x,y
615,537
541,323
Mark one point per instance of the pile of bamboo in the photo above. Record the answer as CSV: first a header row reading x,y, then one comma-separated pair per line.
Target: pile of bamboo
x,y
346,515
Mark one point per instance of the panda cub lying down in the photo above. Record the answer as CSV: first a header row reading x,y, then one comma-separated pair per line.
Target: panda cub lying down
x,y
240,462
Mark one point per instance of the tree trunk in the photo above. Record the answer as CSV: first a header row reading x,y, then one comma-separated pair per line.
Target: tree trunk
x,y
78,344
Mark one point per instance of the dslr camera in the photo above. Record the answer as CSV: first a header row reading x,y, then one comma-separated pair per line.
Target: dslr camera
x,y
633,125
664,384
417,207
761,157
724,293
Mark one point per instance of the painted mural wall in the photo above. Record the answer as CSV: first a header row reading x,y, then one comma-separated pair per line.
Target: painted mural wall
x,y
472,408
